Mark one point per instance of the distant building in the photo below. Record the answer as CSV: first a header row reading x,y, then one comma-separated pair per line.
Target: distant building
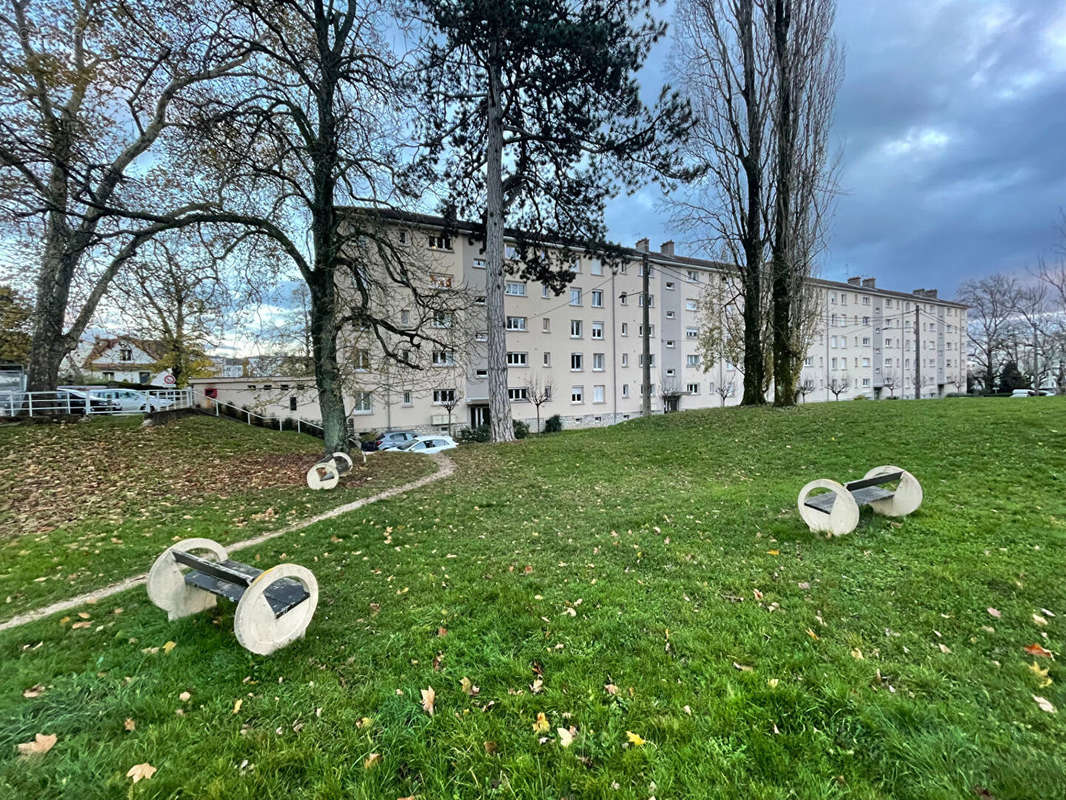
x,y
124,359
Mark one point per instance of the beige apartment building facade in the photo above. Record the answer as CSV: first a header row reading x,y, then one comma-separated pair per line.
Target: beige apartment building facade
x,y
586,344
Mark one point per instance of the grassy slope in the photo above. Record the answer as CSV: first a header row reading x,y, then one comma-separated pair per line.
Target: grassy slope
x,y
89,503
614,556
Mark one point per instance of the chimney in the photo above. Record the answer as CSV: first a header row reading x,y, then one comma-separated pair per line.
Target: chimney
x,y
856,281
642,244
667,248
869,283
931,294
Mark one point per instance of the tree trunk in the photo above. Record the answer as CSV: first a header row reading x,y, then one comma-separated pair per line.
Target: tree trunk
x,y
327,372
500,426
781,286
48,345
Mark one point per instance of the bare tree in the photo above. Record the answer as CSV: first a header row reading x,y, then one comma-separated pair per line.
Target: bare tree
x,y
449,399
805,387
539,392
86,90
725,390
1037,323
722,61
722,333
808,69
838,386
993,302
889,381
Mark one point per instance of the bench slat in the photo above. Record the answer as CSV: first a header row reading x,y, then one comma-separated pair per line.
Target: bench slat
x,y
863,496
283,595
876,480
232,571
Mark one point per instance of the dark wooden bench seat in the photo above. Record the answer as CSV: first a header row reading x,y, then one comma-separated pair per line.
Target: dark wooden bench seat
x,y
230,579
834,508
864,491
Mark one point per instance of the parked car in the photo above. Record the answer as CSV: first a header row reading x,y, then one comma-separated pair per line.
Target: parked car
x,y
125,399
390,439
425,444
1023,393
73,401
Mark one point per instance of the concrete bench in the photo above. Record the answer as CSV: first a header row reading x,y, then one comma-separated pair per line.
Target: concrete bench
x,y
836,511
274,606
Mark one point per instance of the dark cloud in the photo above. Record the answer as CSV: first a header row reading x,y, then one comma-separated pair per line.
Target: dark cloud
x,y
952,128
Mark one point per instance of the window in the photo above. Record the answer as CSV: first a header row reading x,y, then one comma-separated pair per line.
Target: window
x,y
596,266
481,374
625,359
625,329
865,381
575,329
577,362
545,292
546,325
144,377
597,298
833,363
440,280
482,336
692,360
405,317
692,333
651,331
597,330
866,301
691,305
651,359
363,403
403,237
866,340
843,298
515,289
440,242
480,263
575,265
598,362
547,359
441,396
865,320
693,388
292,403
693,276
670,315
362,359
510,251
125,354
598,394
669,285
577,394
516,323
866,362
623,299
518,394
640,300
444,358
808,361
671,372
479,300
518,359
407,398
670,343
625,390
442,319
575,297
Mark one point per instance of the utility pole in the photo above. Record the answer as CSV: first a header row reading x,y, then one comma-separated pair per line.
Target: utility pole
x,y
917,352
645,401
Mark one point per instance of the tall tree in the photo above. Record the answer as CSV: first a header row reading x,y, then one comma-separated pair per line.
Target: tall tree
x,y
16,324
535,112
86,89
993,302
808,69
722,61
309,127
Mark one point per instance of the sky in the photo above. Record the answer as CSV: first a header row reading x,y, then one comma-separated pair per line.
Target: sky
x,y
951,124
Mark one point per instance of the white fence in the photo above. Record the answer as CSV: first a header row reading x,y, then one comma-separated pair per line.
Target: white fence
x,y
96,400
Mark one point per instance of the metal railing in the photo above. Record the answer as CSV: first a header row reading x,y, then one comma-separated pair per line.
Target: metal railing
x,y
92,401
298,424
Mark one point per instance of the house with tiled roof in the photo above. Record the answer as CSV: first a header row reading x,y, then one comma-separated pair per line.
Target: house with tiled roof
x,y
125,359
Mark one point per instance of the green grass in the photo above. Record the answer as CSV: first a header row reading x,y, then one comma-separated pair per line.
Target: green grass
x,y
616,556
85,504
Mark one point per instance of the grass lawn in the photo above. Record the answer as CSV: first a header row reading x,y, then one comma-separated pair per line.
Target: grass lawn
x,y
650,590
85,504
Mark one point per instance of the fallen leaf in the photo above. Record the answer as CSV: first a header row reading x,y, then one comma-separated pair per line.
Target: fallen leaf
x,y
742,667
943,647
129,724
610,688
687,710
237,706
1044,703
566,737
537,686
169,646
442,631
372,760
813,635
772,683
856,653
468,687
184,697
995,612
34,691
429,698
635,740
139,771
1037,650
41,744
774,552
490,747
1039,620
1040,673
541,725
79,625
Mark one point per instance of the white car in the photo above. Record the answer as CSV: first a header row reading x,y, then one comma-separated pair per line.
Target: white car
x,y
131,399
1023,393
424,444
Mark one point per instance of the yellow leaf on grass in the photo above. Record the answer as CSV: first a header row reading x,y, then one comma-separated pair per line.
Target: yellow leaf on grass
x,y
169,646
80,625
141,772
634,739
1040,673
566,737
129,724
812,634
429,699
468,687
537,686
541,725
41,744
856,653
372,760
774,552
237,706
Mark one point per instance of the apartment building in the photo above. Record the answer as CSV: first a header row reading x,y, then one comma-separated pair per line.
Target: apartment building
x,y
586,344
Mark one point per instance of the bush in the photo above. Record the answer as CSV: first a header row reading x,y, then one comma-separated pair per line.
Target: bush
x,y
553,424
521,430
478,434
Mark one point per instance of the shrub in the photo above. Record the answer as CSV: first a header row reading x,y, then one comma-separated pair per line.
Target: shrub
x,y
553,424
521,429
478,434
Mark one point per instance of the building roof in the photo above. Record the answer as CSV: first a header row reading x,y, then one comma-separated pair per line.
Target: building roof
x,y
153,347
476,228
